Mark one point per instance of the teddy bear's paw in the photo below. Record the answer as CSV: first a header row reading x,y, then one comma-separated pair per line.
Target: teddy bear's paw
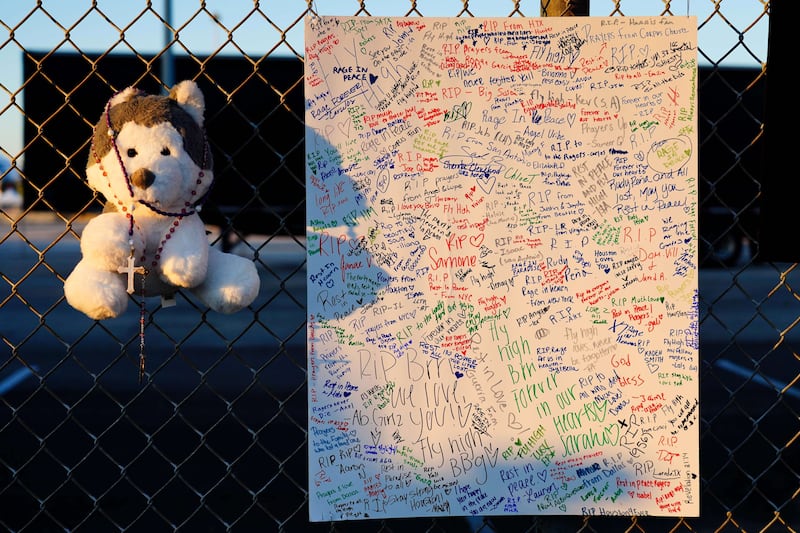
x,y
227,301
184,271
106,242
231,283
97,294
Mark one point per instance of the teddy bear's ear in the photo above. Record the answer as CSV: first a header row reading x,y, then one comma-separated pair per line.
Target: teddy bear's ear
x,y
190,98
123,96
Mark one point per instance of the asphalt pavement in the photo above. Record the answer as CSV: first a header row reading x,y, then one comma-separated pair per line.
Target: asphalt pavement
x,y
51,339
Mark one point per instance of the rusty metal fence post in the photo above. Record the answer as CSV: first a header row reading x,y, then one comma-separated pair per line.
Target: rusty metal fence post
x,y
565,8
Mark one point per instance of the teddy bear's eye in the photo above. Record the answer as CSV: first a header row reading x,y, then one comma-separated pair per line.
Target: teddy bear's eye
x,y
132,152
165,151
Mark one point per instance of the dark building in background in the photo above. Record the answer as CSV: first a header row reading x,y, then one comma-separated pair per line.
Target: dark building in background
x,y
254,122
257,139
778,235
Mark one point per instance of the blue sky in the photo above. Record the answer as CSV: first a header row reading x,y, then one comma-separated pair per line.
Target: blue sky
x,y
98,30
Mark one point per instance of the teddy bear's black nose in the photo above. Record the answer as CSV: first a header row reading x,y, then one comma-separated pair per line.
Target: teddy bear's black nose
x,y
143,178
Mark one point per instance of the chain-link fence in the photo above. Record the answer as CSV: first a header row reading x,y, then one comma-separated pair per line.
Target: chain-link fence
x,y
214,438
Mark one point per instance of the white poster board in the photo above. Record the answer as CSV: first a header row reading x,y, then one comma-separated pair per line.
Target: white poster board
x,y
502,266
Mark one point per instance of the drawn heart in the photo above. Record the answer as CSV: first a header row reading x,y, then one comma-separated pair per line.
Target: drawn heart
x,y
372,78
486,184
639,156
542,475
459,375
652,367
606,270
512,422
476,240
344,127
346,394
570,119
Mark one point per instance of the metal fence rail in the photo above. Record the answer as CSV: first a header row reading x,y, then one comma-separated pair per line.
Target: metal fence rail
x,y
215,437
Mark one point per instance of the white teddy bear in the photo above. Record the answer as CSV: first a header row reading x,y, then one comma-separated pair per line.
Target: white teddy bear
x,y
150,160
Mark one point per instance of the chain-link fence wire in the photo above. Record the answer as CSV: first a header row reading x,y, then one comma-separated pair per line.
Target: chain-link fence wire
x,y
215,437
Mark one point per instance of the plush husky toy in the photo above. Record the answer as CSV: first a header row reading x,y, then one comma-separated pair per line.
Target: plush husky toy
x,y
151,162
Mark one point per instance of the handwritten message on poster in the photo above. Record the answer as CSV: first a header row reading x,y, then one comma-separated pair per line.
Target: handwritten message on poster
x,y
502,266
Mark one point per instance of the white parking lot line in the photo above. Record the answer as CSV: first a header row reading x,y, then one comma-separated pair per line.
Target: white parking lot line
x,y
16,377
733,368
